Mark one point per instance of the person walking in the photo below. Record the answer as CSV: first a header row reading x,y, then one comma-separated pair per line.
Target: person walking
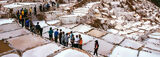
x,y
80,42
20,19
22,12
56,35
27,23
60,36
50,34
18,14
35,10
96,48
30,11
41,32
76,41
38,28
40,7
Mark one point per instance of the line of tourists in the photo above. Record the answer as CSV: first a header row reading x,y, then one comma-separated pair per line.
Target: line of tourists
x,y
65,38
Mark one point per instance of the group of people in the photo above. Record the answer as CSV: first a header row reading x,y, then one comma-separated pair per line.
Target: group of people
x,y
60,36
64,38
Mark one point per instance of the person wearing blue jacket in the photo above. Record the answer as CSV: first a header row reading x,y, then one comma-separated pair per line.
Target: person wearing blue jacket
x,y
56,33
50,34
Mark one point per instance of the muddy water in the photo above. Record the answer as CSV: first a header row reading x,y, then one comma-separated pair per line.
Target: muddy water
x,y
4,47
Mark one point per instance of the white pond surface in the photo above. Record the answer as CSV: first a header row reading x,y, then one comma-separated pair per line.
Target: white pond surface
x,y
123,52
131,43
42,51
6,21
11,55
113,38
71,53
13,5
53,22
82,28
146,54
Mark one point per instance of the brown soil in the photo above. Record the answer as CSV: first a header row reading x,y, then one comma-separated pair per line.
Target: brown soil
x,y
4,47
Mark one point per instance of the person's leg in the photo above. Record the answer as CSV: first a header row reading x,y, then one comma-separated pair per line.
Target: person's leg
x,y
96,52
67,44
80,46
60,40
56,39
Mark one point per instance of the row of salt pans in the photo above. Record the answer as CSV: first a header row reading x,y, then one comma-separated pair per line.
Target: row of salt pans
x,y
19,5
76,14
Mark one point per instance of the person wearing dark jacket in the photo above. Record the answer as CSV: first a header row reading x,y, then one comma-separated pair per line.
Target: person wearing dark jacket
x,y
60,36
96,48
35,10
41,31
38,27
40,8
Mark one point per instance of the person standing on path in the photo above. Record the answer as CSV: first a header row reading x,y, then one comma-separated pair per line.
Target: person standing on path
x,y
63,38
30,11
38,27
60,36
50,34
76,41
35,10
80,42
56,33
72,40
66,39
96,48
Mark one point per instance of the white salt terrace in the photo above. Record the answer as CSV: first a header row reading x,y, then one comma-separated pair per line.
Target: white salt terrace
x,y
14,33
113,38
71,53
104,47
9,27
53,22
96,33
123,52
26,42
146,54
42,51
82,28
125,39
6,21
14,5
11,55
131,44
155,35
